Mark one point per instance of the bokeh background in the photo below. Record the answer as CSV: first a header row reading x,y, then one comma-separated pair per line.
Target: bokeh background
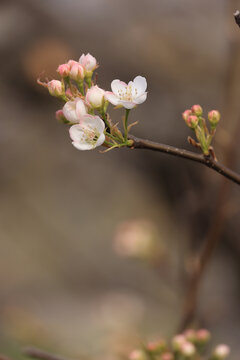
x,y
63,285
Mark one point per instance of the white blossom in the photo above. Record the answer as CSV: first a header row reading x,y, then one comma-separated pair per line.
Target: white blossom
x,y
128,95
74,110
89,133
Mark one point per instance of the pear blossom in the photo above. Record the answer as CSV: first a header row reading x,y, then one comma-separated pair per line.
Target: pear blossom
x,y
55,88
74,110
95,97
128,95
60,116
88,62
88,134
76,71
63,70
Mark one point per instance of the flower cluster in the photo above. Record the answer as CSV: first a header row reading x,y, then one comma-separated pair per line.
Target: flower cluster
x,y
86,104
190,345
194,119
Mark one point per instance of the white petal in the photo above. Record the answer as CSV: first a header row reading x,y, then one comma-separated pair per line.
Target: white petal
x,y
100,140
69,111
140,99
80,108
76,133
94,122
113,99
83,146
140,85
118,87
127,104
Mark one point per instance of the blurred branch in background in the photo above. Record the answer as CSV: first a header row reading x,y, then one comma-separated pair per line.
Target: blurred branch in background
x,y
35,353
219,220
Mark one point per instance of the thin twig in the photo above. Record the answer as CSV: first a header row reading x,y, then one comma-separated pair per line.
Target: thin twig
x,y
171,150
39,354
220,214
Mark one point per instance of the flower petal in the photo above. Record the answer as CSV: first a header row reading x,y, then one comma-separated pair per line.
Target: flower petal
x,y
139,85
113,99
76,133
100,140
127,104
94,122
69,111
140,99
80,108
118,87
83,146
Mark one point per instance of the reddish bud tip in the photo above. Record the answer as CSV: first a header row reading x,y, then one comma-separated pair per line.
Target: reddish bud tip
x,y
197,110
63,70
214,117
192,121
203,336
186,114
60,116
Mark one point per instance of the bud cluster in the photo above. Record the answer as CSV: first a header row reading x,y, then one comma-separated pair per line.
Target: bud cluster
x,y
190,345
86,104
194,120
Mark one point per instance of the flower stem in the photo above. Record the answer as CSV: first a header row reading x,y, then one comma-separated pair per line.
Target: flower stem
x,y
126,124
81,87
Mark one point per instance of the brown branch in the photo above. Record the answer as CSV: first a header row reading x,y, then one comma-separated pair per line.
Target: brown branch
x,y
41,354
171,150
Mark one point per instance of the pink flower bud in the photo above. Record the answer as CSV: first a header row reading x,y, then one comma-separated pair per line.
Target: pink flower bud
x,y
203,336
63,70
157,346
95,97
76,71
221,352
69,93
55,88
60,116
88,62
137,355
214,117
186,114
167,356
192,121
190,335
188,349
178,341
197,110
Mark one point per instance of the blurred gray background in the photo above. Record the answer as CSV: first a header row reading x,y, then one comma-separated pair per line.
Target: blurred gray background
x,y
63,287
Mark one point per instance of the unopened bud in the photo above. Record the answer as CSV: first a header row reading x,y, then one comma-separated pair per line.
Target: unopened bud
x,y
60,116
197,110
192,121
221,352
190,335
63,70
89,62
188,349
178,341
203,336
214,117
157,347
167,356
76,72
95,97
186,114
55,88
137,355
